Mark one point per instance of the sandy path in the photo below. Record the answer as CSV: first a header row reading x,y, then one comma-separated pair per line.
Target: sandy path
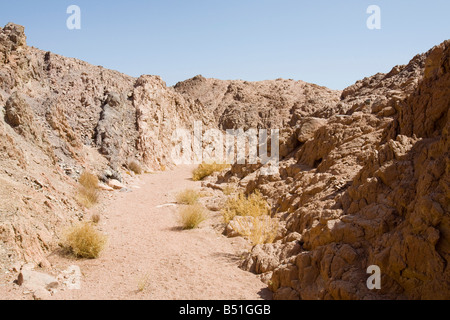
x,y
144,242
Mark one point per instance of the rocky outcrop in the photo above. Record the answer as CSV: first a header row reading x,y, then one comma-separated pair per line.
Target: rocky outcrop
x,y
363,179
239,104
367,186
160,111
60,116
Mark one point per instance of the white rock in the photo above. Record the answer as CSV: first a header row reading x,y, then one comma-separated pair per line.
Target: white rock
x,y
39,283
115,184
104,187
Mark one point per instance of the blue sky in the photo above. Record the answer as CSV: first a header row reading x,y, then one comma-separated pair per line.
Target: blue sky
x,y
324,42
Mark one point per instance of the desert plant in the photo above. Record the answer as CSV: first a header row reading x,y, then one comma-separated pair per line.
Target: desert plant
x,y
87,197
188,196
135,167
229,190
206,169
143,282
254,205
191,216
88,180
258,230
84,241
87,192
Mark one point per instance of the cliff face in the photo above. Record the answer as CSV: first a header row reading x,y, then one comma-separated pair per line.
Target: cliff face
x,y
364,176
60,116
370,186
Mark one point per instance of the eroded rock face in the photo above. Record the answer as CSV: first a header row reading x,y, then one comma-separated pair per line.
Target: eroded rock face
x,y
239,104
61,116
369,186
364,174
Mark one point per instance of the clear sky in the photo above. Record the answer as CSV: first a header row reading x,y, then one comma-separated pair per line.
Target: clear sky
x,y
324,42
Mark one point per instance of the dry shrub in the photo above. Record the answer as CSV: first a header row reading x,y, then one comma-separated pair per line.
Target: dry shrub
x,y
191,216
87,197
258,230
206,169
88,180
240,205
87,193
229,190
188,196
143,282
135,167
84,241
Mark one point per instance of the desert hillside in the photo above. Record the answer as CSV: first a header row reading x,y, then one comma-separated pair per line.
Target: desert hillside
x,y
363,180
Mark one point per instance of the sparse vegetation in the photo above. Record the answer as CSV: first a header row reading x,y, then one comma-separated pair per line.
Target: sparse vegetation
x,y
256,225
87,193
188,197
84,241
88,180
143,282
135,167
229,190
206,169
191,216
258,230
87,197
254,206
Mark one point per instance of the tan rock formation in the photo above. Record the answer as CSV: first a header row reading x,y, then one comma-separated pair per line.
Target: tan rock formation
x,y
364,175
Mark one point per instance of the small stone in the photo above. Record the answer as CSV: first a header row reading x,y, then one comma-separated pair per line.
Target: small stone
x,y
19,280
104,187
52,285
115,184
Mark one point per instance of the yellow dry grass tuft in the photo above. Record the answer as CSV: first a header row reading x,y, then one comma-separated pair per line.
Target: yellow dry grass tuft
x,y
84,241
89,180
240,205
143,282
258,230
188,197
191,216
87,192
135,167
87,197
229,190
206,169
255,223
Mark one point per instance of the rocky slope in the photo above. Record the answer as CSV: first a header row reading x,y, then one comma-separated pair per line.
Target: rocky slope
x,y
368,185
364,176
61,116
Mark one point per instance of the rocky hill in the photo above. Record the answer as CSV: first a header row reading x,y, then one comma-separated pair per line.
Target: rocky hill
x,y
367,185
364,177
60,116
